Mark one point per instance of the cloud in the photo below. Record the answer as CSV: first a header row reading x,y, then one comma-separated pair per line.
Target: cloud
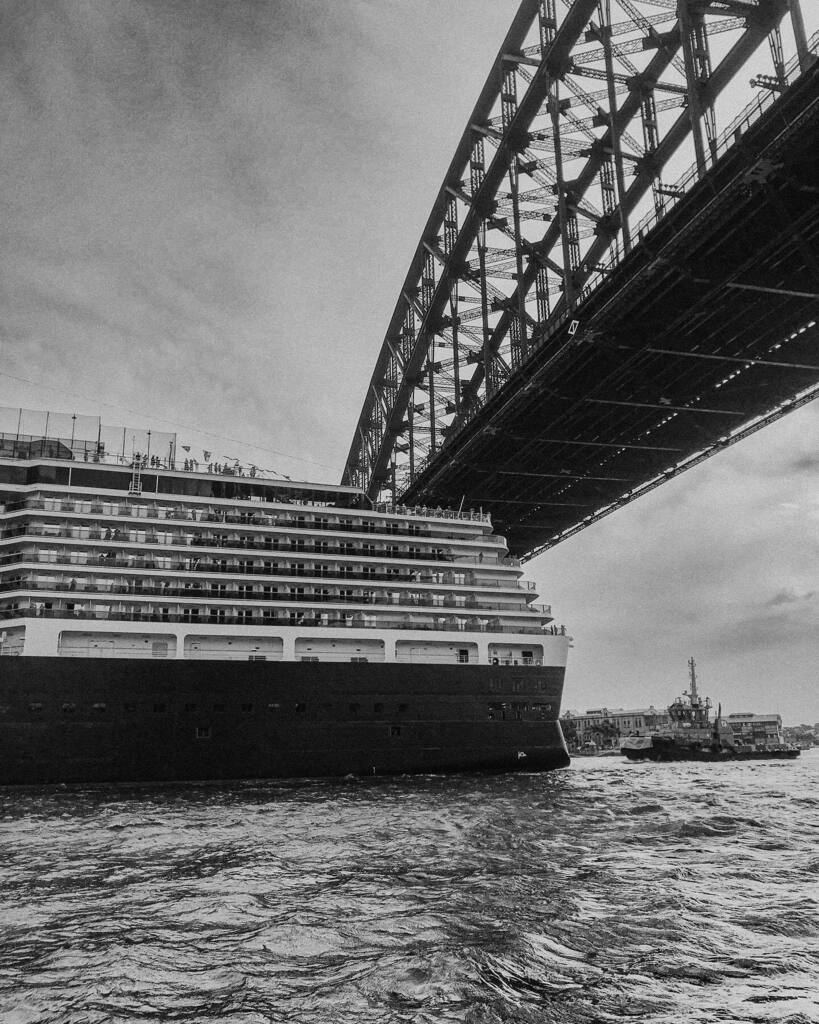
x,y
805,464
790,597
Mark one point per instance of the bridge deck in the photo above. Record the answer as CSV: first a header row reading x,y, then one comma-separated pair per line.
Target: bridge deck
x,y
705,326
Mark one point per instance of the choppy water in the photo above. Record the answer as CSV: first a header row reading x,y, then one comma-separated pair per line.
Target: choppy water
x,y
603,892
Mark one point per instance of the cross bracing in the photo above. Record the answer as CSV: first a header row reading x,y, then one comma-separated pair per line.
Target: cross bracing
x,y
555,183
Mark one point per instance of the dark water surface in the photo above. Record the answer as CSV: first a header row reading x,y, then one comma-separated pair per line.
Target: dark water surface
x,y
604,892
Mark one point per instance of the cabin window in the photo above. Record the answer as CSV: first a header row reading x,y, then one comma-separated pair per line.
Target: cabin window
x,y
190,706
378,708
247,708
203,732
218,707
160,708
463,655
300,707
69,707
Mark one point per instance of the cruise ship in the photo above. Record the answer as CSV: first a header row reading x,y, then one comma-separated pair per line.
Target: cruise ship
x,y
166,619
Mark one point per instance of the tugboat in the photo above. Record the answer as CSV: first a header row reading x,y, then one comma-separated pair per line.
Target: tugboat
x,y
691,736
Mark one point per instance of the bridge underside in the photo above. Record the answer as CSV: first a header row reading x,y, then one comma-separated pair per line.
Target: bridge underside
x,y
706,326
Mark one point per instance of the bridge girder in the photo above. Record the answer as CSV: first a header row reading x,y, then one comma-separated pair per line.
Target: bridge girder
x,y
475,319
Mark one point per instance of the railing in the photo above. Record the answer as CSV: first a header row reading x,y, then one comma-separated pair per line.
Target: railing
x,y
268,620
188,565
102,560
65,449
108,509
470,515
226,544
208,593
29,446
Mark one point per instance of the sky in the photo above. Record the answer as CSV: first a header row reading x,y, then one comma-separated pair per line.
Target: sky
x,y
209,209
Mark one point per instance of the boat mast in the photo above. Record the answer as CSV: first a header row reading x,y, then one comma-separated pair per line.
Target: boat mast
x,y
693,676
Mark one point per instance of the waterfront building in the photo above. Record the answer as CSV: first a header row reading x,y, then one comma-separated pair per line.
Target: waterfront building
x,y
755,729
603,726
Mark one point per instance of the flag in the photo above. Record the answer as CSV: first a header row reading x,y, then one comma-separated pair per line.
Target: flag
x,y
186,447
206,455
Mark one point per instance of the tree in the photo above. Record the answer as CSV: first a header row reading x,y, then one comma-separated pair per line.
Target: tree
x,y
570,734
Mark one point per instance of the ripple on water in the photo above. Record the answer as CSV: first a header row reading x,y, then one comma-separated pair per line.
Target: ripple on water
x,y
606,892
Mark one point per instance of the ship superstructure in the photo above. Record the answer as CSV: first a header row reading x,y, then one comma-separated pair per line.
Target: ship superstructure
x,y
113,556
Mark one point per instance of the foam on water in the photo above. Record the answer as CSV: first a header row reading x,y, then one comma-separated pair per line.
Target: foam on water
x,y
605,892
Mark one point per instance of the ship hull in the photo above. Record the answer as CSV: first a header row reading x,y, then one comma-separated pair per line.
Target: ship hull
x,y
86,720
677,753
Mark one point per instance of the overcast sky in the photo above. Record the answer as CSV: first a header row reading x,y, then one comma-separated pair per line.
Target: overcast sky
x,y
209,208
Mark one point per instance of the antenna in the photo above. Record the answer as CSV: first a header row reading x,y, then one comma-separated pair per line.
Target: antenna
x,y
692,665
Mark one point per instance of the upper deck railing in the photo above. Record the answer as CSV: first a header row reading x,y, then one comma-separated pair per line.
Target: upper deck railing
x,y
30,446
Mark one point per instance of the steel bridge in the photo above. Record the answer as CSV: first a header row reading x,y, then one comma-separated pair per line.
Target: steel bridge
x,y
586,315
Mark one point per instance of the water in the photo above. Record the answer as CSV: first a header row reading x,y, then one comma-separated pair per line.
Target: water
x,y
605,892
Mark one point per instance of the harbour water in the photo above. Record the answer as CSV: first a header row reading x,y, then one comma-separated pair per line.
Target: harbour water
x,y
604,892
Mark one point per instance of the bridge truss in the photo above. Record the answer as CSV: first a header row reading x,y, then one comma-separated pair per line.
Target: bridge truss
x,y
561,256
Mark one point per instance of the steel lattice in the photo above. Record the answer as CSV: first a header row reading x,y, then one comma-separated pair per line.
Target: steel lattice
x,y
571,157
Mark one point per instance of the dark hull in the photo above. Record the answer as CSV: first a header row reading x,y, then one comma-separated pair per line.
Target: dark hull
x,y
685,754
117,720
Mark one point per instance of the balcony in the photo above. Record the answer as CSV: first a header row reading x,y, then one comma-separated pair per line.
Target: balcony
x,y
298,620
204,593
110,507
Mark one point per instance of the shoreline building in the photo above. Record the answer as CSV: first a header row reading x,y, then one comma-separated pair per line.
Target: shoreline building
x,y
749,728
601,725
